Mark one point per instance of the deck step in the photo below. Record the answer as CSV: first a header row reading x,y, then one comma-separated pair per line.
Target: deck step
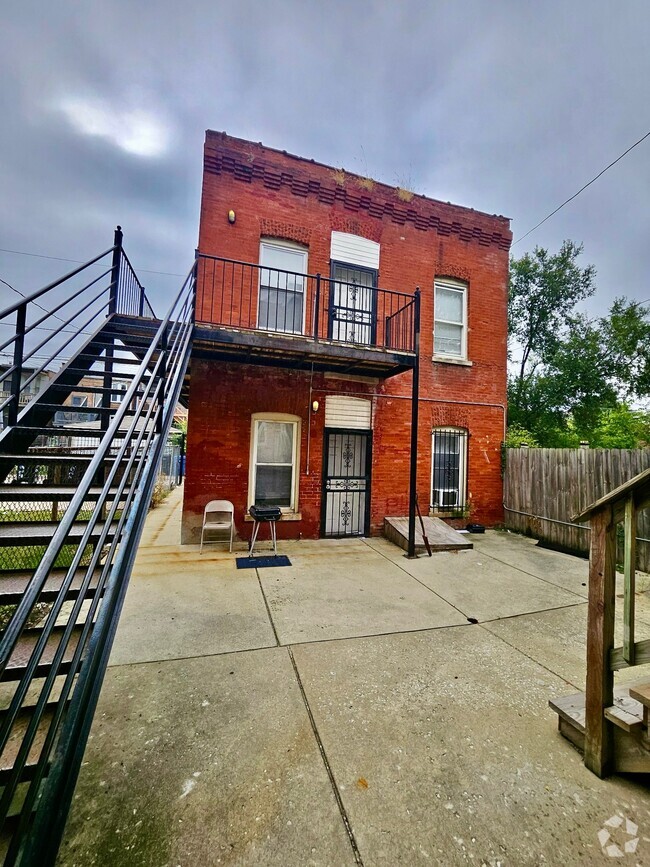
x,y
20,657
84,410
641,692
14,584
628,717
441,536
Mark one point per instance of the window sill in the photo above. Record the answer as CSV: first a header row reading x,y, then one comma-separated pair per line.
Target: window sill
x,y
286,516
442,359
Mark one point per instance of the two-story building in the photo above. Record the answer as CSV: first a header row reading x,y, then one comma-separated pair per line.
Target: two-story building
x,y
306,343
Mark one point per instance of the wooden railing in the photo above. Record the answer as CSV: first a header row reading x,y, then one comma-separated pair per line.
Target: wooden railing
x,y
621,505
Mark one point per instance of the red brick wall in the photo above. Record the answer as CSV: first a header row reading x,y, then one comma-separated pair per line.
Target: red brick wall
x,y
276,195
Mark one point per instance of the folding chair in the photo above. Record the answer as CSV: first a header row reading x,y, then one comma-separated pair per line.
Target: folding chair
x,y
218,515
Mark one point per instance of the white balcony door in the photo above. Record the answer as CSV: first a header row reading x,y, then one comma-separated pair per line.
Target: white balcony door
x,y
281,304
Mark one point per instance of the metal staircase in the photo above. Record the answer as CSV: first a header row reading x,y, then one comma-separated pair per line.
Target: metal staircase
x,y
73,499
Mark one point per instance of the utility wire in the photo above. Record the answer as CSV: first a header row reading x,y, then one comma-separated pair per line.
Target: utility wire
x,y
79,262
575,195
35,303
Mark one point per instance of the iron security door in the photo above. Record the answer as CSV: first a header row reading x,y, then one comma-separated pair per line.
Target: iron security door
x,y
353,301
346,483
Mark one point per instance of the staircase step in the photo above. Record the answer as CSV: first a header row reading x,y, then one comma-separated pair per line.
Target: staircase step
x,y
65,431
49,458
85,410
46,494
26,643
18,731
16,535
90,389
14,584
641,692
627,715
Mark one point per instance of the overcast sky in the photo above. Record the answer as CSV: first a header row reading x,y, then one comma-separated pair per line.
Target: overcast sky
x,y
505,106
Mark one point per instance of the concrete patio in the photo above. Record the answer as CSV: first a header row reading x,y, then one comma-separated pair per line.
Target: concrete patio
x,y
346,710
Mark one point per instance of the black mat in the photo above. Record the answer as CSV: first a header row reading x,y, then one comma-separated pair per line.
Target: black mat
x,y
262,562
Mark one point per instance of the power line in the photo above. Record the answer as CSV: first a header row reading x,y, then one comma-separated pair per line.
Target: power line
x,y
575,195
79,262
22,295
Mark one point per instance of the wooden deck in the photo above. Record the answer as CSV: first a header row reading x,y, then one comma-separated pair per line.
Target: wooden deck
x,y
441,537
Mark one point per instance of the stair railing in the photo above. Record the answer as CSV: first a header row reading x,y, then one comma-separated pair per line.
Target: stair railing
x,y
128,457
51,322
621,505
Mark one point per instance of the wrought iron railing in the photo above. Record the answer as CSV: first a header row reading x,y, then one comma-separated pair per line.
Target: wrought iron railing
x,y
64,669
243,295
39,335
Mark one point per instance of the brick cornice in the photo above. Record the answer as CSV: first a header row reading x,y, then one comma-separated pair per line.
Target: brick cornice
x,y
354,198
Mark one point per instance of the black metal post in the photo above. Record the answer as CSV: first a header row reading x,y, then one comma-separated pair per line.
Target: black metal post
x,y
414,426
163,377
316,307
115,271
16,376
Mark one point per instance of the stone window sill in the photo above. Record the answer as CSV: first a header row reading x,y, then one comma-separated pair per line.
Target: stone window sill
x,y
441,359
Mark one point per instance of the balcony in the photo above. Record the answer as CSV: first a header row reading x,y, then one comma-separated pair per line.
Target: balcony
x,y
260,315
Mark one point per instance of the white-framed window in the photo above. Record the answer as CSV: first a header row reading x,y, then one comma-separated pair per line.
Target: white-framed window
x,y
281,305
450,319
118,395
275,461
448,468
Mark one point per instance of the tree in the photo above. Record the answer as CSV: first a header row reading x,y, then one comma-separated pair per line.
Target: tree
x,y
570,369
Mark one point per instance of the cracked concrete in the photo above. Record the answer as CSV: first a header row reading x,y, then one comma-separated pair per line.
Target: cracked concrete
x,y
343,711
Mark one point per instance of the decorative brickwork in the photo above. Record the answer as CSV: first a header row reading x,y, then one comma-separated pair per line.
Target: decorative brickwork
x,y
278,195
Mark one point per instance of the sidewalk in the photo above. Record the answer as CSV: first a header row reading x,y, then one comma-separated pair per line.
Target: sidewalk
x,y
344,711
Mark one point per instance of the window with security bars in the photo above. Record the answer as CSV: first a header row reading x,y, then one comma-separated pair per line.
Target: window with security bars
x,y
450,325
448,469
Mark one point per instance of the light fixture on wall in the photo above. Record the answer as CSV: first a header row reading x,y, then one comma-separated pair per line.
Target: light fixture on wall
x,y
315,404
231,216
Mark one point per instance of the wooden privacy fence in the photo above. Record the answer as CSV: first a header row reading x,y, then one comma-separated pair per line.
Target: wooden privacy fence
x,y
545,488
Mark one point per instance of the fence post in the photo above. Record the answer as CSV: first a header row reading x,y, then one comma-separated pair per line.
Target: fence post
x,y
16,376
115,271
413,479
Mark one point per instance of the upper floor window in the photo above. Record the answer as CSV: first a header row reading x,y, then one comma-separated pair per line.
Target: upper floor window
x,y
282,287
450,325
353,295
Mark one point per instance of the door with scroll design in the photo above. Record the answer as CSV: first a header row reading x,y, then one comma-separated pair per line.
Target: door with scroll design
x,y
347,459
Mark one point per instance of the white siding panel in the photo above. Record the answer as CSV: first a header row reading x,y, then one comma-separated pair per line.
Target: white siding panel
x,y
348,412
354,250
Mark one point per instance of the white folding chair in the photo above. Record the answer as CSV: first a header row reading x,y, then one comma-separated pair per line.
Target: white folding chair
x,y
218,515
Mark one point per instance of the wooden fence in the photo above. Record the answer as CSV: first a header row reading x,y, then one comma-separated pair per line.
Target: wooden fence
x,y
544,488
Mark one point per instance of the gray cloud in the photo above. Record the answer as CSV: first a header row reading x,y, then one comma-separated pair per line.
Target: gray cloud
x,y
506,107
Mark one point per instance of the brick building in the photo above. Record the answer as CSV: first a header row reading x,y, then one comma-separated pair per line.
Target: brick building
x,y
305,348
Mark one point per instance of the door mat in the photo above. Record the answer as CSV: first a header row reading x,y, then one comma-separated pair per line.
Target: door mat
x,y
262,562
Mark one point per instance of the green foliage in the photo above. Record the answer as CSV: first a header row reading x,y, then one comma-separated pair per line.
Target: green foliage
x,y
517,436
621,428
571,370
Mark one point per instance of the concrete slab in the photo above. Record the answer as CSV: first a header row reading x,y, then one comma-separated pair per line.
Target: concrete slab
x,y
348,591
480,586
445,752
204,762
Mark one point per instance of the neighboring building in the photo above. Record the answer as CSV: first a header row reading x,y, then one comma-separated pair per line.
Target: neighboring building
x,y
300,391
31,382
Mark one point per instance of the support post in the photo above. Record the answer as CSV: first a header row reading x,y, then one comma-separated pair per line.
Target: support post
x,y
600,640
16,376
630,579
115,271
413,480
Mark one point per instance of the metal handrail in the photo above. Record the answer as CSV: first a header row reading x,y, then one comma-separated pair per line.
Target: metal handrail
x,y
131,456
255,297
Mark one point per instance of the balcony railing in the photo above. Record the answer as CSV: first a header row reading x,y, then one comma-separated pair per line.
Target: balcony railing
x,y
243,295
